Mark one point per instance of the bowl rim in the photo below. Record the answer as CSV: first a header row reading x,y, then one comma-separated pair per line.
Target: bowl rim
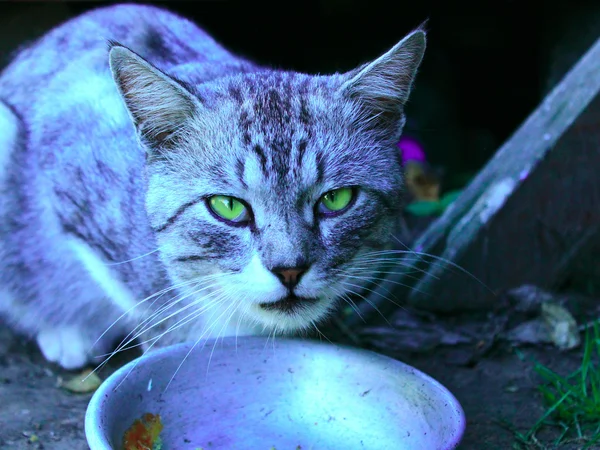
x,y
96,438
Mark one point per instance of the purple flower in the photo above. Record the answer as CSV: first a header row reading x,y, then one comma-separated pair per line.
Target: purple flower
x,y
411,150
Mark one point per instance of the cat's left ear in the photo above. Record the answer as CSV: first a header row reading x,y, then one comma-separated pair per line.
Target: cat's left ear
x,y
383,86
159,106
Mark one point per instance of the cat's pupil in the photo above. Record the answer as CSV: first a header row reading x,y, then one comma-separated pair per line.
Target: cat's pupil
x,y
230,203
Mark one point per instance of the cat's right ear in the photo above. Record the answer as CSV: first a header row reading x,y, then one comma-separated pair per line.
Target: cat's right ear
x,y
159,106
383,86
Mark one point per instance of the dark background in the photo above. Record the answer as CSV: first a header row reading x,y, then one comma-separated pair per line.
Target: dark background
x,y
487,66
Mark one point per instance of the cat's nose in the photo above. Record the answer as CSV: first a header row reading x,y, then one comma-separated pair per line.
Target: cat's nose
x,y
289,276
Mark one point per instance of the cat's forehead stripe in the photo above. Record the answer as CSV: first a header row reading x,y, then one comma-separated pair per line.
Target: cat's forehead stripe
x,y
262,158
302,169
239,172
300,155
276,121
253,175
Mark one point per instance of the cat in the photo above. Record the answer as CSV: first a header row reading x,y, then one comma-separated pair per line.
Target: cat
x,y
154,185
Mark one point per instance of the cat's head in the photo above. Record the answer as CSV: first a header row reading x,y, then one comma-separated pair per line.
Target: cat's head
x,y
268,191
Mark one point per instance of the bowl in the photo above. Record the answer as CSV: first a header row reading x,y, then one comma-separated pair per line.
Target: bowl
x,y
257,394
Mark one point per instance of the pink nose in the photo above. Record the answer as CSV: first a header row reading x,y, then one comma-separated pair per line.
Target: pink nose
x,y
289,277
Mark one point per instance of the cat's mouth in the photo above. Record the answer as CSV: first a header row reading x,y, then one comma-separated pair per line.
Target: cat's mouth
x,y
289,304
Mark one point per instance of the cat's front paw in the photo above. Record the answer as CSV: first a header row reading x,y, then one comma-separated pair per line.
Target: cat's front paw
x,y
67,346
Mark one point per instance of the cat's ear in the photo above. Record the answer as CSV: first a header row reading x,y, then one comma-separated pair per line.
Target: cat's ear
x,y
159,106
383,86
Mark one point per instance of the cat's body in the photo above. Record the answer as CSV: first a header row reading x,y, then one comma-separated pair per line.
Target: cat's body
x,y
94,218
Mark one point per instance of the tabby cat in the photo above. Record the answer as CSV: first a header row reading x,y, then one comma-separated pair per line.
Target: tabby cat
x,y
154,185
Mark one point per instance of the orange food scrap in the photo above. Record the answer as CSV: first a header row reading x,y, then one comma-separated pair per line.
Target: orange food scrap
x,y
144,433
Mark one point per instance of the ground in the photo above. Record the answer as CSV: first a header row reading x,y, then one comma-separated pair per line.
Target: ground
x,y
36,413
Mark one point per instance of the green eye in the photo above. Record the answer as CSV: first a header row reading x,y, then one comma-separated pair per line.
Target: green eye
x,y
229,208
336,201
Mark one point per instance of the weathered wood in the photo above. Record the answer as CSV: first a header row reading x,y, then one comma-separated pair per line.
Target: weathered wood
x,y
517,220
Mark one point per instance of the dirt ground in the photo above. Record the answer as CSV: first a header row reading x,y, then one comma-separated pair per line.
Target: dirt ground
x,y
35,413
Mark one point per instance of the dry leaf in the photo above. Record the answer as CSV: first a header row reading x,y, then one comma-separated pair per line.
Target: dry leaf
x,y
562,326
83,383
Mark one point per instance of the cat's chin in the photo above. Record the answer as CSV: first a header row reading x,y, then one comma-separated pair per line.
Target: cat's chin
x,y
291,313
292,304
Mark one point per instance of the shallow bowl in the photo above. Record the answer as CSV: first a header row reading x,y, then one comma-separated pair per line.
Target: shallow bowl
x,y
254,394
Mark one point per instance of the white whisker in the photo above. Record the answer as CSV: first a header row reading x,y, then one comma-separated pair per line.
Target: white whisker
x,y
208,329
344,297
192,304
125,343
133,259
179,324
159,293
370,278
175,301
345,283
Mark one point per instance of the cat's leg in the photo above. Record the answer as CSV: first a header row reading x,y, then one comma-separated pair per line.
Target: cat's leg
x,y
65,345
75,345
108,307
64,334
70,342
54,287
75,309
